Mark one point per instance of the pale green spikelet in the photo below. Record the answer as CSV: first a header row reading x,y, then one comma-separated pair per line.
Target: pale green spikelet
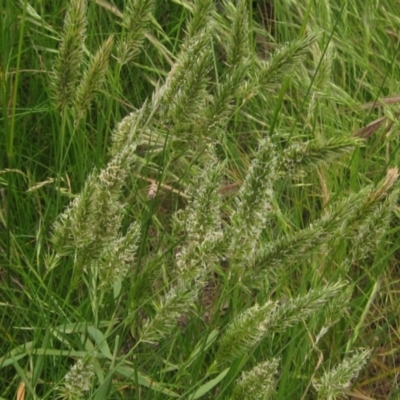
x,y
238,64
71,230
90,230
78,381
301,307
301,156
178,301
384,186
258,383
118,257
252,325
93,78
253,206
183,96
185,89
373,229
193,61
272,72
239,44
95,215
244,333
323,87
201,222
90,220
136,21
335,382
201,14
369,224
114,174
204,209
367,209
375,196
127,130
300,245
70,55
221,105
324,63
337,307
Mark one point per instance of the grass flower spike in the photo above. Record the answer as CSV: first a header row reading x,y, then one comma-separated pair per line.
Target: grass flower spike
x,y
78,381
67,68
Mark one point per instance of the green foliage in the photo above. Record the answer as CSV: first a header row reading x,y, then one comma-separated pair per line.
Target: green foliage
x,y
188,213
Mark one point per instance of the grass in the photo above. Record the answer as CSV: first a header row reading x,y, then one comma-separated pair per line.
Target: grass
x,y
199,200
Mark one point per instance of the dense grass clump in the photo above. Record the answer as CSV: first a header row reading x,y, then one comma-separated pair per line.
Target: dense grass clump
x,y
199,200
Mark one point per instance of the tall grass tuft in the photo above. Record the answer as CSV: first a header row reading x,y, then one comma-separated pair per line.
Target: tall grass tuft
x,y
232,243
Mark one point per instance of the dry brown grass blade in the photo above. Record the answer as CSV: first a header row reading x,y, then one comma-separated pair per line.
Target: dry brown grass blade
x,y
21,391
154,185
373,126
379,103
368,130
109,7
356,395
